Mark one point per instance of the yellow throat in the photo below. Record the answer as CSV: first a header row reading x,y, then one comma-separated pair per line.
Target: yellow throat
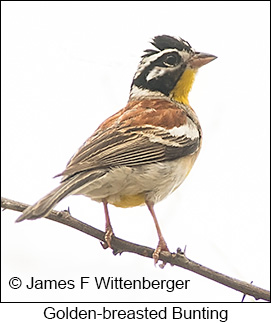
x,y
183,86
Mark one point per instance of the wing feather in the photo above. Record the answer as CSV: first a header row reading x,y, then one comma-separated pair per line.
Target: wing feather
x,y
129,146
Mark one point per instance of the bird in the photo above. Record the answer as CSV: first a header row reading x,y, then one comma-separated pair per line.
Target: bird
x,y
143,152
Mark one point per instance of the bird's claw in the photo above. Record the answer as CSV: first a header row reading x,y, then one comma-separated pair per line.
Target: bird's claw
x,y
108,238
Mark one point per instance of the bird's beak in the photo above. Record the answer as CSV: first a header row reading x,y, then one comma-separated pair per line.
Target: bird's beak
x,y
200,59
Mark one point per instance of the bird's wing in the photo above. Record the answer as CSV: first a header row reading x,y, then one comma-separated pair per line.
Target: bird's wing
x,y
125,141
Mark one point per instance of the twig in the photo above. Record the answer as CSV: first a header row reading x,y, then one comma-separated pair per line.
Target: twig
x,y
177,259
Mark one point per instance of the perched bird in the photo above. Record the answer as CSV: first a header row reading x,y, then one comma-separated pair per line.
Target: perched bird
x,y
144,152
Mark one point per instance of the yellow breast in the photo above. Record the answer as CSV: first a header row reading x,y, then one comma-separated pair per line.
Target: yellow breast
x,y
130,200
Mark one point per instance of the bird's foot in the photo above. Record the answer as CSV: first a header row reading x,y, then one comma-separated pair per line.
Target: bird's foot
x,y
108,238
162,246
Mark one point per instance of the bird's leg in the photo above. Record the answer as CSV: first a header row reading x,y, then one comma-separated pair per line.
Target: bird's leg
x,y
162,246
108,228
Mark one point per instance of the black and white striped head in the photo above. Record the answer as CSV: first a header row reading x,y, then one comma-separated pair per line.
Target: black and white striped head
x,y
161,68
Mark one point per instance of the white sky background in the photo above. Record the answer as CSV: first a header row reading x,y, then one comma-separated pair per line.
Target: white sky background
x,y
67,66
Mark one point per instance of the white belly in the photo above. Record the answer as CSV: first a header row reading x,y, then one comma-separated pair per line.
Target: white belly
x,y
149,182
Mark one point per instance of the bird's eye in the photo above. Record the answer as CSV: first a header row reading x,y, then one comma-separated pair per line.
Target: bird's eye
x,y
171,60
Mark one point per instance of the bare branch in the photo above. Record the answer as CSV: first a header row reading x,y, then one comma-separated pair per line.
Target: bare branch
x,y
177,259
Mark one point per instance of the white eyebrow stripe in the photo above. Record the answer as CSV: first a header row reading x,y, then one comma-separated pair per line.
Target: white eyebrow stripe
x,y
146,61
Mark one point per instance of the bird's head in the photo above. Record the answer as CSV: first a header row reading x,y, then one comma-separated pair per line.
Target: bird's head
x,y
168,70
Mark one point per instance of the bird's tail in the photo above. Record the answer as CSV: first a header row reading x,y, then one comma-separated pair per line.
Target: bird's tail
x,y
70,186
